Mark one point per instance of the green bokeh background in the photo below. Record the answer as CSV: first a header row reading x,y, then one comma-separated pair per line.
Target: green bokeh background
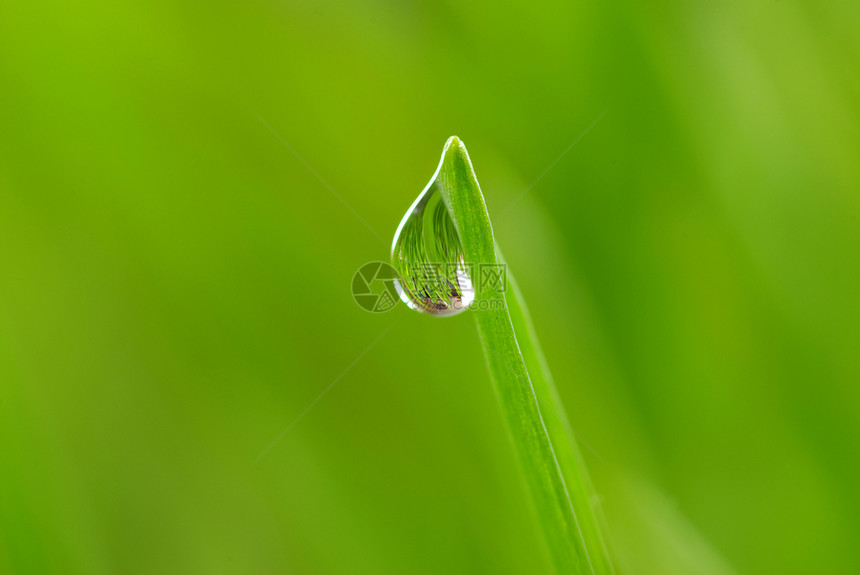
x,y
175,282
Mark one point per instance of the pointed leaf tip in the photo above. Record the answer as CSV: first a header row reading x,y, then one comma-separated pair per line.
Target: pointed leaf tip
x,y
454,144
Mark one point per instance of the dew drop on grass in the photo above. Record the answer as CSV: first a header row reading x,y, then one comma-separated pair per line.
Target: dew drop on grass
x,y
433,277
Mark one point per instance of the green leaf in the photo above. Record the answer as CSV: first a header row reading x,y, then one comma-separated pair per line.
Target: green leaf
x,y
553,468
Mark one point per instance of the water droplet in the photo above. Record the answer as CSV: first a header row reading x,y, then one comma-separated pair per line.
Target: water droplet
x,y
427,253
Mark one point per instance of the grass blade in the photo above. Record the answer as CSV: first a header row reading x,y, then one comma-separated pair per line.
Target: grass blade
x,y
585,502
553,469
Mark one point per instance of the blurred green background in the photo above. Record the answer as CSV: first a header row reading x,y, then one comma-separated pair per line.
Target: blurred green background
x,y
175,282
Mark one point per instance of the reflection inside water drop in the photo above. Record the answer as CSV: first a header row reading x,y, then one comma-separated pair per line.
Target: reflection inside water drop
x,y
428,257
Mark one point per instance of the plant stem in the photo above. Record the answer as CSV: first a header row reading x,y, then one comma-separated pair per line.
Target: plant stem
x,y
554,473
